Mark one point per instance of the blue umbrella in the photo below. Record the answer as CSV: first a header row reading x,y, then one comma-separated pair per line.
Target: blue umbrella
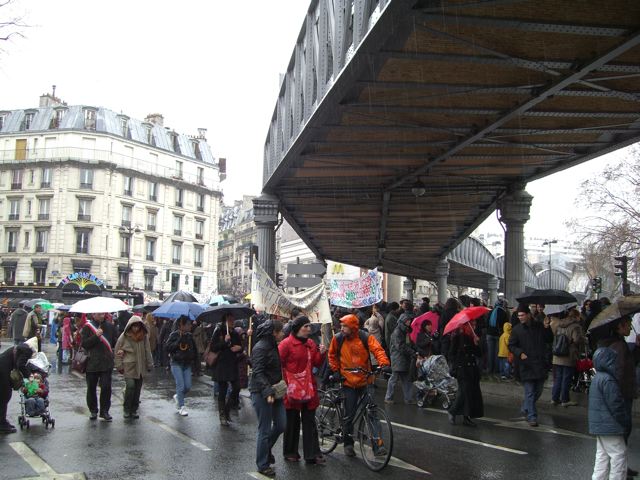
x,y
178,309
222,300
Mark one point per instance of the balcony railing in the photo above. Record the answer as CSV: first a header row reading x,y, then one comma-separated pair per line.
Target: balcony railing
x,y
200,208
83,217
151,228
86,186
45,185
153,198
43,216
128,193
178,204
11,248
80,249
16,186
124,254
150,258
14,216
126,223
197,263
176,261
40,249
199,236
177,232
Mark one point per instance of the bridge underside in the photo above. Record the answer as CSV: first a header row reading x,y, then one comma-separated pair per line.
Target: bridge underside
x,y
466,102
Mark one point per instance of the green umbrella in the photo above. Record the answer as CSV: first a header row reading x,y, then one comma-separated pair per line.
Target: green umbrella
x,y
622,307
46,305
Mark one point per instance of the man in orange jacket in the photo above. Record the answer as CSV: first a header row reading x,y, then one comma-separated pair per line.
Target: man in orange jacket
x,y
354,354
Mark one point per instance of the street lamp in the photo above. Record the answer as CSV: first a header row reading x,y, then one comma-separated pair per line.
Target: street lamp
x,y
549,242
128,230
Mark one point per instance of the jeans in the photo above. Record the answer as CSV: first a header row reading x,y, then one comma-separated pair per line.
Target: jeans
x,y
611,458
505,367
104,379
492,354
407,386
133,387
34,405
532,392
272,420
562,383
182,375
351,397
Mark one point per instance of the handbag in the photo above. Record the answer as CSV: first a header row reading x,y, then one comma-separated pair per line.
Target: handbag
x,y
300,386
210,357
80,360
16,379
279,389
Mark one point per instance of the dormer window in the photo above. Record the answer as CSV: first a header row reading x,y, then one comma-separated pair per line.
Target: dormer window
x,y
175,143
148,129
3,119
90,118
59,114
123,123
196,150
27,121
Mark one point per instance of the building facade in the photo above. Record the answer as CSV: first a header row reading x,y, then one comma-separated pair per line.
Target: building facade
x,y
85,189
238,235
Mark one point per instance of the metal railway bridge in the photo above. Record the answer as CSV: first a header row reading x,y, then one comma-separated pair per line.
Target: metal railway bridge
x,y
401,125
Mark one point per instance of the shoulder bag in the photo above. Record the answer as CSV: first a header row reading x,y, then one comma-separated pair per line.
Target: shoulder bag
x,y
80,360
300,386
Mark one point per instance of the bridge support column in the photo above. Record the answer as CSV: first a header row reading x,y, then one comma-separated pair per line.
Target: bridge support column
x,y
409,285
492,288
265,209
514,213
442,277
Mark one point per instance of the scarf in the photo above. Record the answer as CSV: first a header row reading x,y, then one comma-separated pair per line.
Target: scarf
x,y
302,340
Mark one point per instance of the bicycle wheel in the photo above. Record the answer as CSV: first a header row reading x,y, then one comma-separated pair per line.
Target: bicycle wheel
x,y
328,422
375,438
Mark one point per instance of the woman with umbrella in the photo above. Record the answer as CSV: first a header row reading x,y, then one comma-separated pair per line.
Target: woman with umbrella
x,y
182,351
227,343
464,349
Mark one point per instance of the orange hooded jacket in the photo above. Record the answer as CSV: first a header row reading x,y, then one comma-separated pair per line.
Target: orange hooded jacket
x,y
353,354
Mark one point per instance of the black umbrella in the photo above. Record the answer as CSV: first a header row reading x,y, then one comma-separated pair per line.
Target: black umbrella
x,y
548,296
151,306
624,306
32,303
181,296
217,313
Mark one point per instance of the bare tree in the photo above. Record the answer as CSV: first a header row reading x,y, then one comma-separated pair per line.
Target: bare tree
x,y
11,24
615,228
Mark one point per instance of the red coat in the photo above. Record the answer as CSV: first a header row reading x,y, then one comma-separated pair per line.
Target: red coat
x,y
294,358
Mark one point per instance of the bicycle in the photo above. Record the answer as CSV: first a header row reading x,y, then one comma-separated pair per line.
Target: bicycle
x,y
372,428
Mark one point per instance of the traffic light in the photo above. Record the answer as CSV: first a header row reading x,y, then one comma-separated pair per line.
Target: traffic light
x,y
622,266
596,284
279,283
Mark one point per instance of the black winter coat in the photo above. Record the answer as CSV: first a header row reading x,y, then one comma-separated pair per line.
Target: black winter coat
x,y
462,357
531,339
181,348
100,358
266,369
226,367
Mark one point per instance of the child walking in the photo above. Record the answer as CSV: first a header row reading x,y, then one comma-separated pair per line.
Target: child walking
x,y
609,420
503,352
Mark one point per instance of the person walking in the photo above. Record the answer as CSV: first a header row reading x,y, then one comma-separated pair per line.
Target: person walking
x,y
609,419
375,323
390,322
133,360
152,335
464,349
350,349
66,340
18,318
497,318
13,358
402,354
181,349
528,343
568,339
299,355
33,325
227,343
503,352
98,339
267,390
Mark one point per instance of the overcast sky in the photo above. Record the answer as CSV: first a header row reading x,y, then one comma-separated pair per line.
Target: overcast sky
x,y
208,64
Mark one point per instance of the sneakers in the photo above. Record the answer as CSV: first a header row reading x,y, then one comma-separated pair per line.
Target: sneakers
x,y
126,415
349,451
106,417
569,404
135,415
380,452
268,472
533,423
555,403
93,416
183,411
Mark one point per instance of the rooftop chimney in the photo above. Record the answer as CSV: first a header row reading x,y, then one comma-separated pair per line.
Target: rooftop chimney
x,y
202,133
50,99
155,118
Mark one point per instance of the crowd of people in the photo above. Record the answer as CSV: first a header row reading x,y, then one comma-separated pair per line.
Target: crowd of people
x,y
524,344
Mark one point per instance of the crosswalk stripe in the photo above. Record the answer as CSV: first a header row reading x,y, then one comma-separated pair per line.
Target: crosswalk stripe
x,y
178,434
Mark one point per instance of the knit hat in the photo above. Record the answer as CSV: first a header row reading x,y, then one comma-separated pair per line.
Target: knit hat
x,y
32,344
298,323
523,308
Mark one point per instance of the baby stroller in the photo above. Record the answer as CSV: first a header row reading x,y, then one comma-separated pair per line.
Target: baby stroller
x,y
36,406
584,374
434,381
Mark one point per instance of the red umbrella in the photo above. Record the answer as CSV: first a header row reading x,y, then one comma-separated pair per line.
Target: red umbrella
x,y
416,325
464,316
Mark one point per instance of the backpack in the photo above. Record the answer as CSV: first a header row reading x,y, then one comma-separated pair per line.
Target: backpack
x,y
561,344
493,318
364,338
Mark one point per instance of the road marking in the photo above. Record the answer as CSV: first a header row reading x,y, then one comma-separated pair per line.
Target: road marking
x,y
396,462
42,468
178,434
77,374
258,476
521,424
460,439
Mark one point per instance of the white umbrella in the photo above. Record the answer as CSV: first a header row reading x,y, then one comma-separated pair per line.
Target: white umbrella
x,y
99,305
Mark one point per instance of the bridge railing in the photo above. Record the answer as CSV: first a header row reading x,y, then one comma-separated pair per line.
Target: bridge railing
x,y
331,33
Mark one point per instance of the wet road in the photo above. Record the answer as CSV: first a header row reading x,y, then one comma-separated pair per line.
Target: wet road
x,y
162,444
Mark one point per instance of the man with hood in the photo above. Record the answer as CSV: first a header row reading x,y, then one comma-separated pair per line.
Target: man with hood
x,y
402,354
98,339
13,358
133,360
348,350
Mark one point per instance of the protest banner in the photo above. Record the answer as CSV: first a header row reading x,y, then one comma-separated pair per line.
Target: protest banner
x,y
268,298
356,293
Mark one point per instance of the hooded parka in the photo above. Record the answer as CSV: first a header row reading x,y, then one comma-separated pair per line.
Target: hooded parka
x,y
136,359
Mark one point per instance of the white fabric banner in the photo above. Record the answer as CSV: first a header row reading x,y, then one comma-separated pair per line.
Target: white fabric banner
x,y
268,298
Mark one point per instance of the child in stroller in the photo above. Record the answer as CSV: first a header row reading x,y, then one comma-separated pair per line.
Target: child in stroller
x,y
434,381
34,394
